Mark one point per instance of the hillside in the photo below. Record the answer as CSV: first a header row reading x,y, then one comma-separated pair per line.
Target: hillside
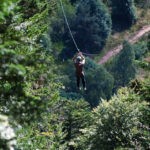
x,y
132,40
49,102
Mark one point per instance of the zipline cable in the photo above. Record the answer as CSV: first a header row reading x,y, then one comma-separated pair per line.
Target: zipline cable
x,y
66,20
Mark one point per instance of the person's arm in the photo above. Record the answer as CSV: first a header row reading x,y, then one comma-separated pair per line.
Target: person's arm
x,y
83,58
76,55
79,54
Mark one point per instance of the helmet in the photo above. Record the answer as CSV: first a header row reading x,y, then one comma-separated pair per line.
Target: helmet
x,y
78,59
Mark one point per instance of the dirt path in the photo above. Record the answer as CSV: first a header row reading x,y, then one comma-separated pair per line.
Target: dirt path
x,y
132,40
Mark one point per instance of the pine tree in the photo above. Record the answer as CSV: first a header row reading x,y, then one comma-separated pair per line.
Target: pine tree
x,y
123,12
99,83
124,69
77,115
92,25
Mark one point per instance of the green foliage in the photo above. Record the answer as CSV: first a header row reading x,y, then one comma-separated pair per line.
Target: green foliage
x,y
59,31
123,13
6,9
140,49
76,116
58,129
18,90
145,90
116,123
31,7
99,82
58,25
42,135
142,87
31,32
123,69
26,71
143,64
92,25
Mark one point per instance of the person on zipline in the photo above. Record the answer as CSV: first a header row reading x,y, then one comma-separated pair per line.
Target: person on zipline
x,y
79,61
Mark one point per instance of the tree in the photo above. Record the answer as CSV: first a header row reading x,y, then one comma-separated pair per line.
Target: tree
x,y
123,13
59,128
99,83
116,124
59,33
124,69
77,115
25,72
91,27
45,134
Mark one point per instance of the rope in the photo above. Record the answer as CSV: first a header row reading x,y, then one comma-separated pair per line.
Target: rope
x,y
66,20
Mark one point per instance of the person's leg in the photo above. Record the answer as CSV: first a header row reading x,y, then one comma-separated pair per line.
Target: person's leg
x,y
78,81
83,81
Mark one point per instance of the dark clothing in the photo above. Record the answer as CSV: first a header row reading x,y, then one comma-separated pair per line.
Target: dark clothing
x,y
80,74
79,69
83,81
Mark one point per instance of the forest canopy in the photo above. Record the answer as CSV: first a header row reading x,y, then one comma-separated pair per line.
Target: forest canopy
x,y
40,104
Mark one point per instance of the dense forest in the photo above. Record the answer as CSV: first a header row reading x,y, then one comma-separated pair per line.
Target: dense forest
x,y
40,106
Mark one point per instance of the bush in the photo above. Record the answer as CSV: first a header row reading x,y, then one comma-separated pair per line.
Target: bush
x,y
117,123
